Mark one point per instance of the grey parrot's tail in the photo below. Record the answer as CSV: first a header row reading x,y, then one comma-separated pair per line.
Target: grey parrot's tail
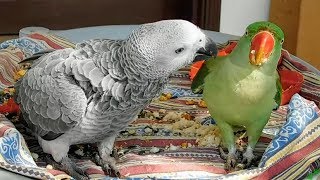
x,y
36,56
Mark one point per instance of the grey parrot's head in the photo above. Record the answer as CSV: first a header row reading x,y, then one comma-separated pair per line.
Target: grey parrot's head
x,y
165,46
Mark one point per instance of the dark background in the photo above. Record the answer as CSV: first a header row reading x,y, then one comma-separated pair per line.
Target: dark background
x,y
66,14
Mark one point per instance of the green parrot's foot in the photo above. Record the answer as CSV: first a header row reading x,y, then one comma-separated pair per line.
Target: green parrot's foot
x,y
248,156
223,155
231,159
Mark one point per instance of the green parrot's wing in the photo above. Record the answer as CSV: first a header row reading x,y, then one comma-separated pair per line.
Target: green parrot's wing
x,y
278,95
198,81
208,66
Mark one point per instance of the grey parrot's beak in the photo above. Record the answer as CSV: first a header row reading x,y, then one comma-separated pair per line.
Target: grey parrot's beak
x,y
204,53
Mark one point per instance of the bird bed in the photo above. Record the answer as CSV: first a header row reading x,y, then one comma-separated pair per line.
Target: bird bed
x,y
174,137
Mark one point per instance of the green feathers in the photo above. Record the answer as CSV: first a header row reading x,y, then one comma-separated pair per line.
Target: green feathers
x,y
240,55
242,88
278,95
253,28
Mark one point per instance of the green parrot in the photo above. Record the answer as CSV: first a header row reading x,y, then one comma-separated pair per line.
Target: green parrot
x,y
242,88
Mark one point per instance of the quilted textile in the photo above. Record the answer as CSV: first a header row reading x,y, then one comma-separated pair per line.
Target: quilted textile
x,y
151,147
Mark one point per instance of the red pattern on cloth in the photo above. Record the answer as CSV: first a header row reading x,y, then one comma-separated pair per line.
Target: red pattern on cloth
x,y
205,160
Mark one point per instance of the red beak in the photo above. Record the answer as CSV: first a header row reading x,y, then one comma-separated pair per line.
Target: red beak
x,y
262,45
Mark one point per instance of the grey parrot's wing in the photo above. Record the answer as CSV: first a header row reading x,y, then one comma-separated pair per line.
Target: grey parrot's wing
x,y
51,102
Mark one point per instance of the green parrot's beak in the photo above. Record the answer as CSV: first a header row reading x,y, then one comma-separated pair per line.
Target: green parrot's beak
x,y
262,45
210,50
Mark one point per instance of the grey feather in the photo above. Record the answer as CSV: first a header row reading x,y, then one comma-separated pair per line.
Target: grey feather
x,y
87,68
92,92
78,76
95,76
52,113
43,111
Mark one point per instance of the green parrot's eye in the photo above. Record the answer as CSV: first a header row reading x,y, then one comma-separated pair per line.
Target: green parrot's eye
x,y
282,40
246,33
178,51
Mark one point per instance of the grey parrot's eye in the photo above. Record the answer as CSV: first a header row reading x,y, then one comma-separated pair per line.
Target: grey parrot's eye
x,y
178,51
200,40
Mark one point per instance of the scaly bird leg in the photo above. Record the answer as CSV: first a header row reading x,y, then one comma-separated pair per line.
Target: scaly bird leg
x,y
59,148
254,131
104,159
231,158
73,170
228,140
248,156
68,166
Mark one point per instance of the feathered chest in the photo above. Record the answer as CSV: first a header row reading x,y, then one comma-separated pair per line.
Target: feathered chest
x,y
254,87
243,85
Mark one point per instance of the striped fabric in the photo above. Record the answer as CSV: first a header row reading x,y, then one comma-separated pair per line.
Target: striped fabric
x,y
163,147
9,59
12,51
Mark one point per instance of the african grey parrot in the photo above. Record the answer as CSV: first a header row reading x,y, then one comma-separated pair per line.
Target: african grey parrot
x,y
90,93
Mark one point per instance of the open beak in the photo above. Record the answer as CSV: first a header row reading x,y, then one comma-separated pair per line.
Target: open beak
x,y
262,45
204,53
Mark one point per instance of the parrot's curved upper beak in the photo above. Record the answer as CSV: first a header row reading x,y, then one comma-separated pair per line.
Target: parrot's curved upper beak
x,y
262,45
204,53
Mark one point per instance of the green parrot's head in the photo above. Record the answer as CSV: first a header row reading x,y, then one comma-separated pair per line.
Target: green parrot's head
x,y
265,40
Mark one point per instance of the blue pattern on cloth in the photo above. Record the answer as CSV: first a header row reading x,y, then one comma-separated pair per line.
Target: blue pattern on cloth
x,y
208,120
28,45
12,150
180,92
300,114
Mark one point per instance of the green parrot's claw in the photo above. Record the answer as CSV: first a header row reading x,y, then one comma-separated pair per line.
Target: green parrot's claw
x,y
231,159
248,157
231,162
223,155
247,162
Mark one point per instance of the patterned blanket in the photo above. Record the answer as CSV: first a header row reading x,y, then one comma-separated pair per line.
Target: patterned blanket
x,y
174,137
